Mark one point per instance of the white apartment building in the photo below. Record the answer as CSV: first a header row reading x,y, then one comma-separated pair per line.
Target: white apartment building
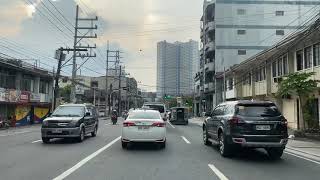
x,y
234,30
176,67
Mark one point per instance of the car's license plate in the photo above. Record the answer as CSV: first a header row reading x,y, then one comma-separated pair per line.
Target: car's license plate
x,y
263,127
57,131
143,127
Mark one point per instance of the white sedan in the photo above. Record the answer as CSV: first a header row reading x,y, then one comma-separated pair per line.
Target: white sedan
x,y
144,126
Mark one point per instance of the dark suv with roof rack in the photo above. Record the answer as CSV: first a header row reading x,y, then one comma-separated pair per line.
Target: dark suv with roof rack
x,y
252,124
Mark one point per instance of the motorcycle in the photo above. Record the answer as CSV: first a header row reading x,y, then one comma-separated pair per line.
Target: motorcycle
x,y
4,124
114,119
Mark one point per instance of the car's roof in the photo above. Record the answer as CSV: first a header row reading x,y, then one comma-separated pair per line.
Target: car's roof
x,y
249,102
153,103
79,105
144,110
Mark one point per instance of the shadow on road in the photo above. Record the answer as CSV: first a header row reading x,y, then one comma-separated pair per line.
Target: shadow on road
x,y
66,140
143,147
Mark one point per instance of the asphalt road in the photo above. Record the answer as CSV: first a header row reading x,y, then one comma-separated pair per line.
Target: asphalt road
x,y
25,157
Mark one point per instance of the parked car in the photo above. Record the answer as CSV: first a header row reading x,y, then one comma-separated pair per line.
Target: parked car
x,y
251,124
157,106
144,126
70,121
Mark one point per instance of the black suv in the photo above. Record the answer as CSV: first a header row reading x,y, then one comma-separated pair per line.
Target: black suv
x,y
252,124
70,121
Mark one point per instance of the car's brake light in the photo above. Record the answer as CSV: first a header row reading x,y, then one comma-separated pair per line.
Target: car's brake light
x,y
235,121
284,122
159,124
128,123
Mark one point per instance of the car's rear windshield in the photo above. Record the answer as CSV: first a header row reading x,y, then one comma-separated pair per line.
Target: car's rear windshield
x,y
144,115
257,110
70,111
159,108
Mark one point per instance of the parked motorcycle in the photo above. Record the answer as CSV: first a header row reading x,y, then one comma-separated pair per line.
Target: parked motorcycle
x,y
4,124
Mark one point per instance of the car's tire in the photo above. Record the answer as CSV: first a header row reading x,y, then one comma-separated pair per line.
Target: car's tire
x,y
81,135
45,140
275,153
124,145
205,137
162,145
95,131
224,148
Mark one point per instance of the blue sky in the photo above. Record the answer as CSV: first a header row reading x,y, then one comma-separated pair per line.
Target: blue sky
x,y
129,25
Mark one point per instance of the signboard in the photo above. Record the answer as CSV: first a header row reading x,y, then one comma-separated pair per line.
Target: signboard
x,y
79,90
35,97
2,94
24,96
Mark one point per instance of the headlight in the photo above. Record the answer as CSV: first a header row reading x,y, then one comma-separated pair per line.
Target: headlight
x,y
45,123
74,123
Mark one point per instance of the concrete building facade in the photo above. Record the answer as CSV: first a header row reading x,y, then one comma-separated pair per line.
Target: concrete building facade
x,y
234,30
176,67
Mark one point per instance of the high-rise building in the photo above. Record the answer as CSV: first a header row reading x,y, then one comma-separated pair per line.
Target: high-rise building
x,y
234,30
176,67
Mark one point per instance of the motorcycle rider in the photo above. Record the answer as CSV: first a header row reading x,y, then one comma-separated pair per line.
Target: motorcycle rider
x,y
114,117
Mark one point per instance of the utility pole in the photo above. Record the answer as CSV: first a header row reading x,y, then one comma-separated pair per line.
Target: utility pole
x,y
61,57
77,40
107,100
119,95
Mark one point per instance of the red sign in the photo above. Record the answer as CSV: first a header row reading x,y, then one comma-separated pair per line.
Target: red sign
x,y
24,96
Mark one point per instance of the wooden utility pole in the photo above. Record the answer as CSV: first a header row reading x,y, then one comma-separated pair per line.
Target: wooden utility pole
x,y
119,94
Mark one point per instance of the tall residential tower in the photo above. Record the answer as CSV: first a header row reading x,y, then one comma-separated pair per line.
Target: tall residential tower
x,y
177,64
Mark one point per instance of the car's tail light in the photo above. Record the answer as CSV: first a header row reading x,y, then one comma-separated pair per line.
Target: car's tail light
x,y
284,122
159,124
235,121
128,123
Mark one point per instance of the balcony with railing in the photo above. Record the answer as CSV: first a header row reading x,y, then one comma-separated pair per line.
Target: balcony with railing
x,y
208,87
210,26
209,46
209,66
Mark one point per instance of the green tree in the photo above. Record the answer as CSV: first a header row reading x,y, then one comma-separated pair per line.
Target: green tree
x,y
300,85
65,93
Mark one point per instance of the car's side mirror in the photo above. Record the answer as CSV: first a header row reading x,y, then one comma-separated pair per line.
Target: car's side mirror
x,y
49,114
87,114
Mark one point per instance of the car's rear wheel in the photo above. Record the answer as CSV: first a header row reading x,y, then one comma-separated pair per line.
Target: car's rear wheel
x,y
124,145
275,153
81,135
224,148
162,145
205,137
45,140
95,131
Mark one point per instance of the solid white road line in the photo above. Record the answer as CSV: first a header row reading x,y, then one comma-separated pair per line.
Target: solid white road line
x,y
171,124
217,172
302,157
36,141
186,140
85,160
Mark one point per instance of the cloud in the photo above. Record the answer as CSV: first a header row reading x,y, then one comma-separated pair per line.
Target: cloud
x,y
11,17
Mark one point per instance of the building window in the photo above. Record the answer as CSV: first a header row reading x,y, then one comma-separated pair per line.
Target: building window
x,y
230,84
307,57
299,59
279,67
279,13
26,83
242,52
316,55
285,65
241,32
280,32
247,79
43,87
274,69
241,11
261,74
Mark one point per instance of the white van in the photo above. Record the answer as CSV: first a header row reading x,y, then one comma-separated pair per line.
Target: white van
x,y
157,106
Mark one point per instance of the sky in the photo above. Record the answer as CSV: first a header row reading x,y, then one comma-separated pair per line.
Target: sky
x,y
34,29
